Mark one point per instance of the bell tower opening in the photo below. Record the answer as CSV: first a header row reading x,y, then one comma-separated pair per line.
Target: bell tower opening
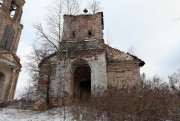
x,y
1,2
82,82
13,8
2,80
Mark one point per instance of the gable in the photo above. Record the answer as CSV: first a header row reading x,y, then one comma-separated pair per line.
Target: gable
x,y
114,54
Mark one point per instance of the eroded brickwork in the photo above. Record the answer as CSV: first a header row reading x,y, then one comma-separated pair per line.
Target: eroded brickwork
x,y
82,27
123,74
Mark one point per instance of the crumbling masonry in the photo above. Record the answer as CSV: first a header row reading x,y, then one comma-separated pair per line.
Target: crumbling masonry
x,y
84,64
10,31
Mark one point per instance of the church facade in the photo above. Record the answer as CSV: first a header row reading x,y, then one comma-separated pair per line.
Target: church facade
x,y
10,32
84,64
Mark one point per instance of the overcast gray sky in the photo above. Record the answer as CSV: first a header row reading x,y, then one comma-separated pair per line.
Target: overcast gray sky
x,y
152,27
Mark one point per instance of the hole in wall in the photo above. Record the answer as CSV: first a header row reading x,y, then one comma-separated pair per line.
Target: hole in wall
x,y
90,33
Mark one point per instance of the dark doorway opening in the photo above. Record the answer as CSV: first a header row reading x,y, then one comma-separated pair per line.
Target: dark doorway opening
x,y
82,82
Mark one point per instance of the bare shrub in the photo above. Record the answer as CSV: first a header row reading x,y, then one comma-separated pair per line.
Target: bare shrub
x,y
152,101
4,104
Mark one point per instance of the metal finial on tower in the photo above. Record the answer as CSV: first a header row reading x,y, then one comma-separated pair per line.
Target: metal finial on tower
x,y
85,10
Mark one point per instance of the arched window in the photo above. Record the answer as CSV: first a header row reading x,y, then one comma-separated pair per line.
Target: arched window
x,y
7,37
14,8
2,80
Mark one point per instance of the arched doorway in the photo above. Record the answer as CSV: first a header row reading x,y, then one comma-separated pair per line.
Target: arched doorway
x,y
82,81
2,80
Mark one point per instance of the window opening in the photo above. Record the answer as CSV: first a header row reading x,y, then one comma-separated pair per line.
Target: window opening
x,y
13,8
73,34
7,37
90,33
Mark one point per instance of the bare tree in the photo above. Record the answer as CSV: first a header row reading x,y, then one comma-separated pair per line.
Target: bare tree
x,y
94,6
36,56
71,7
174,81
108,38
42,61
51,32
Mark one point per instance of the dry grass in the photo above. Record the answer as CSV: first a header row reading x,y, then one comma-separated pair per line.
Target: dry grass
x,y
146,103
150,101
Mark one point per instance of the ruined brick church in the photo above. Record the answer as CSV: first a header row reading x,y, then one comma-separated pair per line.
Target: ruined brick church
x,y
10,31
84,63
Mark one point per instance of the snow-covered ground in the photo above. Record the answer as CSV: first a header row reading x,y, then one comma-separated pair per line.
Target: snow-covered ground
x,y
7,114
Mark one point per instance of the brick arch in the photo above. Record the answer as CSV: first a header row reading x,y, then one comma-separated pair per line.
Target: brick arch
x,y
79,62
81,79
2,80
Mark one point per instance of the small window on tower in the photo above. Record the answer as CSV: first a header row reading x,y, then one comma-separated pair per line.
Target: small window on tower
x,y
90,33
73,34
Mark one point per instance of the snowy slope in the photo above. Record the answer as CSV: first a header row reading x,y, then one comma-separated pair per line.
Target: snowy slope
x,y
28,115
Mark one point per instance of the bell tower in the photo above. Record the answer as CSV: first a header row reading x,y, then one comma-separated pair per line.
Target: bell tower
x,y
82,32
10,26
10,32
